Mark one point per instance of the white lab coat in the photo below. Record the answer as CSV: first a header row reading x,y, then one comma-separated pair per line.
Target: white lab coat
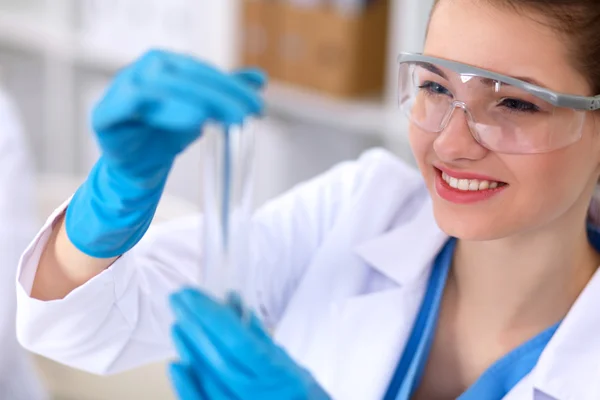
x,y
339,267
18,378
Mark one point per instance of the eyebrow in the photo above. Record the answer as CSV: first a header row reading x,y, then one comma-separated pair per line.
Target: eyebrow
x,y
432,68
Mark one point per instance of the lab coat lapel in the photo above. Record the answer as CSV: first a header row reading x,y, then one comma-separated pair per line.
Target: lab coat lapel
x,y
373,327
371,332
352,312
404,254
309,329
569,367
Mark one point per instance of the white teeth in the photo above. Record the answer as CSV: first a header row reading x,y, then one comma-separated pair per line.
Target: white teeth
x,y
469,184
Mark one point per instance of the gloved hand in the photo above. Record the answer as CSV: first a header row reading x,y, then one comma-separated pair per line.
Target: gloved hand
x,y
153,111
225,357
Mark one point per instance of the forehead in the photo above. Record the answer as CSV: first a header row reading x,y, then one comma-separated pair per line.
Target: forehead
x,y
503,41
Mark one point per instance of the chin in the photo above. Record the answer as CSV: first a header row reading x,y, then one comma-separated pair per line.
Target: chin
x,y
471,226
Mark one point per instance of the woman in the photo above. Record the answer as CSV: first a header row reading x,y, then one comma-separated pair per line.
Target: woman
x,y
18,377
476,278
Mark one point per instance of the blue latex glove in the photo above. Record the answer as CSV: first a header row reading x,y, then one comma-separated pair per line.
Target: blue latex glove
x,y
152,111
225,357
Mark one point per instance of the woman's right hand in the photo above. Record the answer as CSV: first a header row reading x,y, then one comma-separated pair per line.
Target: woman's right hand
x,y
152,111
157,107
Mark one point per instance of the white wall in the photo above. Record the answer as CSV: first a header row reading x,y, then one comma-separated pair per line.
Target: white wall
x,y
219,31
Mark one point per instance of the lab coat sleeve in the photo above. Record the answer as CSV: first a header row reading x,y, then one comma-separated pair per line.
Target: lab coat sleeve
x,y
120,319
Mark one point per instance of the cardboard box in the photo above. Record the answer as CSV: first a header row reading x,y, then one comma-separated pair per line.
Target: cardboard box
x,y
261,27
318,47
342,55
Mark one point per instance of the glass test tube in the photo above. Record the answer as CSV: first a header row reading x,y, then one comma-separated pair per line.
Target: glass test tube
x,y
227,209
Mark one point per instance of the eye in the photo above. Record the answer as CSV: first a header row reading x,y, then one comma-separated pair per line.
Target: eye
x,y
434,88
519,106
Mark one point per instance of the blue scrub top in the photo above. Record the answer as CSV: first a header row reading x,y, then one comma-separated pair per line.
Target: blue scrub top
x,y
494,383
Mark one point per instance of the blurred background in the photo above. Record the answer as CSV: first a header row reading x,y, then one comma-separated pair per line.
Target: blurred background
x,y
331,96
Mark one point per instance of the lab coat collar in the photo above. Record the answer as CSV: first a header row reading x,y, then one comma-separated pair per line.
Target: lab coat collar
x,y
406,252
569,366
382,314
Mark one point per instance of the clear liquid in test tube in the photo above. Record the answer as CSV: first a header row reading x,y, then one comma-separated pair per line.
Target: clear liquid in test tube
x,y
227,210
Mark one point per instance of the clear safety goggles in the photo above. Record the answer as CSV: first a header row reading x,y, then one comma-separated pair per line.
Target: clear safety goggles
x,y
504,114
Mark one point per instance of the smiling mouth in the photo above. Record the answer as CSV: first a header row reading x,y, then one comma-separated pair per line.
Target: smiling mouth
x,y
470,185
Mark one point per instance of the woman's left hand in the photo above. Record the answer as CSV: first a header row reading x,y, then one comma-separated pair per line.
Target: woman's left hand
x,y
226,357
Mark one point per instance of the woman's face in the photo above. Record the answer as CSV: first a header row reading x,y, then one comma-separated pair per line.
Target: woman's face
x,y
542,190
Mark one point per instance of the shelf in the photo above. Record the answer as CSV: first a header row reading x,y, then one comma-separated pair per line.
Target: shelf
x,y
363,117
33,32
98,58
368,117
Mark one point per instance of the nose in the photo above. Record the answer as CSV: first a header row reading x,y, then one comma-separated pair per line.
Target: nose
x,y
456,141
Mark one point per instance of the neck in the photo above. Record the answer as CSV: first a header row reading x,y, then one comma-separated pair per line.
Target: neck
x,y
522,284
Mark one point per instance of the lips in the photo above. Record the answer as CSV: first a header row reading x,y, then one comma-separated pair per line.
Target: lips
x,y
465,188
466,175
470,184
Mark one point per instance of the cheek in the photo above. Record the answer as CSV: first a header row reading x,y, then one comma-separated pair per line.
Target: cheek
x,y
559,177
421,144
549,185
542,183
